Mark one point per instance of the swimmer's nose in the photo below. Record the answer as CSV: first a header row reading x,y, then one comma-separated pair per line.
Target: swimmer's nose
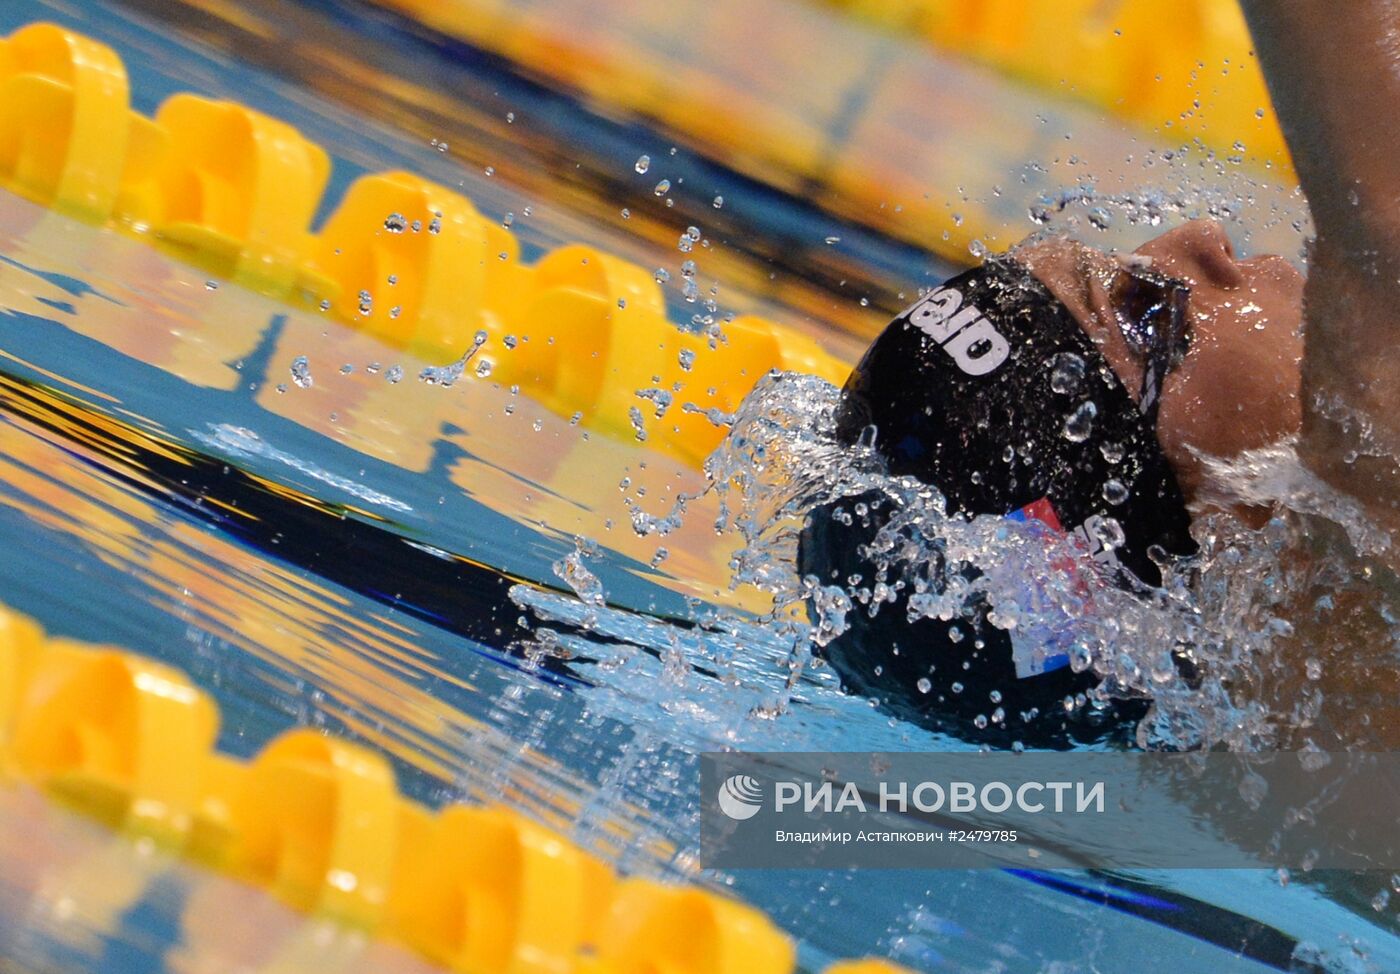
x,y
1198,252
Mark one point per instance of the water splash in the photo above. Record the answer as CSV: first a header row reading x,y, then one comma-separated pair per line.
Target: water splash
x,y
573,572
301,372
1245,612
446,375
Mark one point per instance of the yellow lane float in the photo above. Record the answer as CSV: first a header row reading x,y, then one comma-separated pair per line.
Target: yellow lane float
x,y
233,191
319,822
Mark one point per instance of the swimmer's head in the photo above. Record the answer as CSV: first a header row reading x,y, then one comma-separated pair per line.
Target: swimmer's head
x,y
1175,350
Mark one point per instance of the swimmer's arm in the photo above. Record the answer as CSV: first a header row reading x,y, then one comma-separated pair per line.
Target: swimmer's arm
x,y
1334,75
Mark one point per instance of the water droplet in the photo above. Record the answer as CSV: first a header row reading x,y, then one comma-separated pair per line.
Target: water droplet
x,y
1112,451
719,201
1313,667
346,369
571,570
395,223
643,164
1108,532
1100,219
507,220
1080,424
687,268
832,240
924,684
662,275
686,358
510,118
484,367
1114,492
662,188
977,249
1066,373
301,372
394,374
635,415
211,285
510,341
435,226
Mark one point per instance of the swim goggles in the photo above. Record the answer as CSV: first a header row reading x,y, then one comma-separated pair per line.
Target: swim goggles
x,y
1151,309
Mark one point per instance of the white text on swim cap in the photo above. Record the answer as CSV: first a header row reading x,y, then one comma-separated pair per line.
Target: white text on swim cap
x,y
964,333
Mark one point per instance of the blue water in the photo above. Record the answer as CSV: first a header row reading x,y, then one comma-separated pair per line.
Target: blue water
x,y
121,334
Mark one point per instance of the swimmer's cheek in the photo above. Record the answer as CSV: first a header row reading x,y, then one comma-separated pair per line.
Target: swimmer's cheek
x,y
1236,390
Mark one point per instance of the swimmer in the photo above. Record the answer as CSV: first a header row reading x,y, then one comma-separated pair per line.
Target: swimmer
x,y
1187,352
1179,351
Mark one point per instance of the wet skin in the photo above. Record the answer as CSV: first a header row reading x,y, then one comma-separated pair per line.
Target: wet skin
x,y
1241,387
1237,388
1334,75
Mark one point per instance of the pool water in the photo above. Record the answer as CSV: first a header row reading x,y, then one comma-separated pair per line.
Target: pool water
x,y
467,503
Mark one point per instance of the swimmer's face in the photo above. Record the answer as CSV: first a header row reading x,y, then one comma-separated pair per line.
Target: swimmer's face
x,y
1238,387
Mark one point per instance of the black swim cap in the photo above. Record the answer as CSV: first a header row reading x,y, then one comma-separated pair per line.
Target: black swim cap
x,y
989,390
